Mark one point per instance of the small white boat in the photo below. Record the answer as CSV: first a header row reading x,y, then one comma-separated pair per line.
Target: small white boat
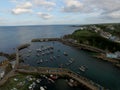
x,y
42,88
29,51
41,61
65,54
82,68
38,80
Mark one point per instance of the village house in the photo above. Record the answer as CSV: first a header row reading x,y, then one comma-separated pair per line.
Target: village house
x,y
13,64
72,40
113,55
105,34
2,73
114,38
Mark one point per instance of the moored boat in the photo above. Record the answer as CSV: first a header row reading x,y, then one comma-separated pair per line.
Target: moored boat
x,y
82,68
65,54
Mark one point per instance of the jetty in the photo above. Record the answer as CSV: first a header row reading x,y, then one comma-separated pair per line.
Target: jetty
x,y
45,39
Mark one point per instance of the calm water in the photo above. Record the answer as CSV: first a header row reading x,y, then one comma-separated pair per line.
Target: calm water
x,y
100,72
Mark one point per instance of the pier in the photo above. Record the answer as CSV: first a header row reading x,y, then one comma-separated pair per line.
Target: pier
x,y
45,39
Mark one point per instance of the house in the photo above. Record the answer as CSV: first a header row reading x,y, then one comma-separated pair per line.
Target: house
x,y
13,64
105,34
114,38
72,40
2,73
113,55
118,54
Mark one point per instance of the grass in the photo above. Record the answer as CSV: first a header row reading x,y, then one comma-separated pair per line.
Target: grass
x,y
94,39
84,33
11,83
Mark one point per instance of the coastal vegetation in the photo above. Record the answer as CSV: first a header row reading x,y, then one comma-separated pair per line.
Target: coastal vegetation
x,y
91,38
11,83
111,28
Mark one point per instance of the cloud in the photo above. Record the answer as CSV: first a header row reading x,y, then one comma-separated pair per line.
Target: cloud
x,y
22,8
113,15
72,6
105,5
44,15
44,3
110,9
104,8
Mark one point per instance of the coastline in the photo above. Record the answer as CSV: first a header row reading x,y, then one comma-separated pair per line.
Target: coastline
x,y
78,46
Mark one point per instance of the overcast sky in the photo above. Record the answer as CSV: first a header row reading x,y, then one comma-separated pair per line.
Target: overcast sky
x,y
50,12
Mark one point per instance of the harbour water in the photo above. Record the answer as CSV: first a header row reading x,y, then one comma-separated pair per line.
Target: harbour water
x,y
101,72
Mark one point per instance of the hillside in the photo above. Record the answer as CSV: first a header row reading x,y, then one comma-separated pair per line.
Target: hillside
x,y
92,38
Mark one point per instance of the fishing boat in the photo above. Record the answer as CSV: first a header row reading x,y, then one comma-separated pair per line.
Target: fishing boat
x,y
38,50
42,88
54,57
82,68
28,55
41,61
51,58
46,60
43,54
29,51
65,54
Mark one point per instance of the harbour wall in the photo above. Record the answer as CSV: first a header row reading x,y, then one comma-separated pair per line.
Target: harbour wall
x,y
90,85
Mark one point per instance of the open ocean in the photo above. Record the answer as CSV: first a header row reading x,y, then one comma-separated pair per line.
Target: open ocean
x,y
13,36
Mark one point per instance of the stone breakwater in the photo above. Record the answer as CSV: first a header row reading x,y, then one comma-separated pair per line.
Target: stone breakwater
x,y
67,42
90,85
23,46
45,39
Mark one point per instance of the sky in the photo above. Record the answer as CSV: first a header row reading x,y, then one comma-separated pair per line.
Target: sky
x,y
53,12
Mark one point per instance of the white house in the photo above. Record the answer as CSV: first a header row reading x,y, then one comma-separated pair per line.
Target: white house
x,y
118,54
113,55
13,64
2,73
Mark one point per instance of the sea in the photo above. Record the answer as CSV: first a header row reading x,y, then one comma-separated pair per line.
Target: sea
x,y
101,72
